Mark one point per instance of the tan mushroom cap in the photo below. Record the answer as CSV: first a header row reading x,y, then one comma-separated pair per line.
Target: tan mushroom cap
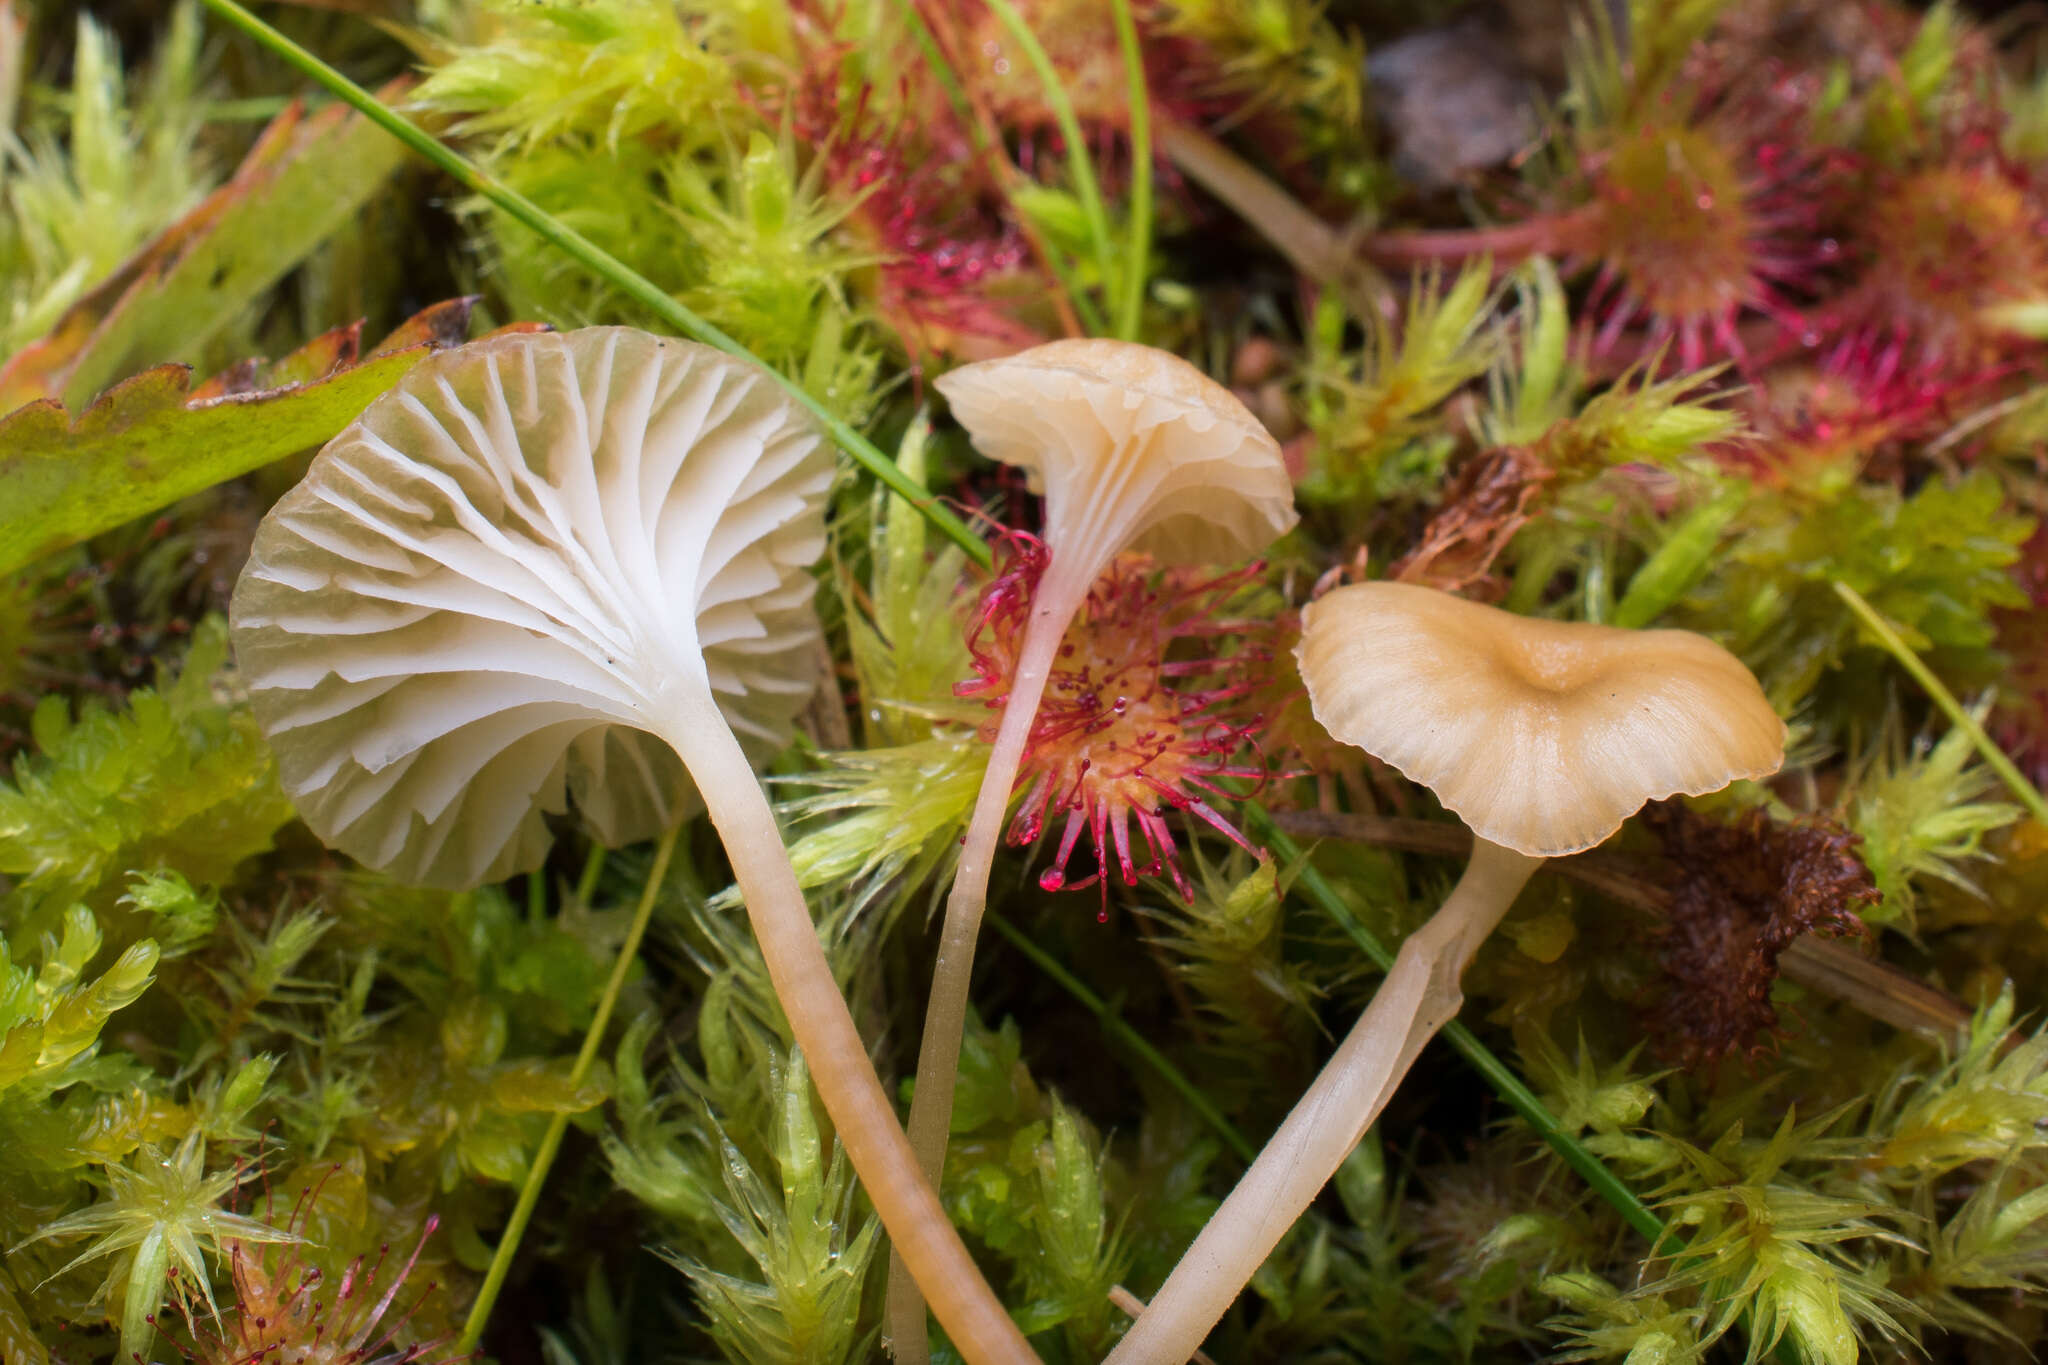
x,y
1543,736
1129,444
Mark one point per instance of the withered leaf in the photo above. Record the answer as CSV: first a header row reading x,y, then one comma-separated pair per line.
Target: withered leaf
x,y
1487,501
1744,891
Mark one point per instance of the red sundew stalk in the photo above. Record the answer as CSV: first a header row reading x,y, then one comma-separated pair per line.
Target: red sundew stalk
x,y
1507,244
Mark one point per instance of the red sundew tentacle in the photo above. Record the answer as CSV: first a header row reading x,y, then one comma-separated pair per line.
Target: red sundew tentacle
x,y
1030,820
1119,825
1207,813
1124,732
391,1293
1165,853
1054,877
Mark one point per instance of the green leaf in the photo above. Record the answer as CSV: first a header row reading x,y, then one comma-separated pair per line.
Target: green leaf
x,y
1681,561
19,1344
149,440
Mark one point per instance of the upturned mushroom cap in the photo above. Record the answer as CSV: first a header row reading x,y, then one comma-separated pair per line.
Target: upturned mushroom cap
x,y
1542,736
1132,447
490,587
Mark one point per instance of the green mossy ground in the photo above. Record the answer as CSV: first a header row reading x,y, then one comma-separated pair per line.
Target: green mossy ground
x,y
1734,306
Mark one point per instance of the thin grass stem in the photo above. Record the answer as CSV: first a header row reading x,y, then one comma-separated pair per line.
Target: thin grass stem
x,y
1079,168
1138,228
1070,303
1506,1084
1994,757
1106,1015
599,262
558,1126
1663,1240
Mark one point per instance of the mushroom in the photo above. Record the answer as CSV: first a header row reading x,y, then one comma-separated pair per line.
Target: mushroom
x,y
1134,449
1543,737
551,568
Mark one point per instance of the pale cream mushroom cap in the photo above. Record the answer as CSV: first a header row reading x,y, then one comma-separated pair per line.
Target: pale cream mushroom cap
x,y
1132,447
1542,736
488,592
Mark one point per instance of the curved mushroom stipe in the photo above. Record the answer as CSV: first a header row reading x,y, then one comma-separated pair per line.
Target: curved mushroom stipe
x,y
1133,448
574,567
1544,737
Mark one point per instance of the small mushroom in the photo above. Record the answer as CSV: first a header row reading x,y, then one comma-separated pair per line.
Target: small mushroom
x,y
563,568
1543,737
1134,449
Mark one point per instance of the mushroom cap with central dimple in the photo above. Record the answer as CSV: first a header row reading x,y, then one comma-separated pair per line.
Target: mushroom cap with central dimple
x,y
1132,447
1543,736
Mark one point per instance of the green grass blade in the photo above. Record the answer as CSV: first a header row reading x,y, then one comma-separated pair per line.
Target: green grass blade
x,y
599,262
1130,304
1079,167
1125,1034
1994,757
558,1126
1506,1084
956,95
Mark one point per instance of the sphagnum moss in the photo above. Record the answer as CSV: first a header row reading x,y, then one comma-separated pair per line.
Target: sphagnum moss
x,y
1767,374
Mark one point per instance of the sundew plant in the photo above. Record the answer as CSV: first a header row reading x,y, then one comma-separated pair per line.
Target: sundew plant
x,y
406,850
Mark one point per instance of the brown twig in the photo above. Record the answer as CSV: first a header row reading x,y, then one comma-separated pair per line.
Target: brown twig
x,y
1829,966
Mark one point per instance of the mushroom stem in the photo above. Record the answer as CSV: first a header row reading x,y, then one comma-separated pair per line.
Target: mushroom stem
x,y
1419,996
1059,596
819,1020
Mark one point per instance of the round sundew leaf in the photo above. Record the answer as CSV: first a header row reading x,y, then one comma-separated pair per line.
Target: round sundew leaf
x,y
1543,736
1132,447
490,593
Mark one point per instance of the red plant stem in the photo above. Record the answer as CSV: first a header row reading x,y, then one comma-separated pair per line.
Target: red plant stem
x,y
1506,243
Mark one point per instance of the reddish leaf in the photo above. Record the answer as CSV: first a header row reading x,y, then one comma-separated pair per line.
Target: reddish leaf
x,y
306,177
153,439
